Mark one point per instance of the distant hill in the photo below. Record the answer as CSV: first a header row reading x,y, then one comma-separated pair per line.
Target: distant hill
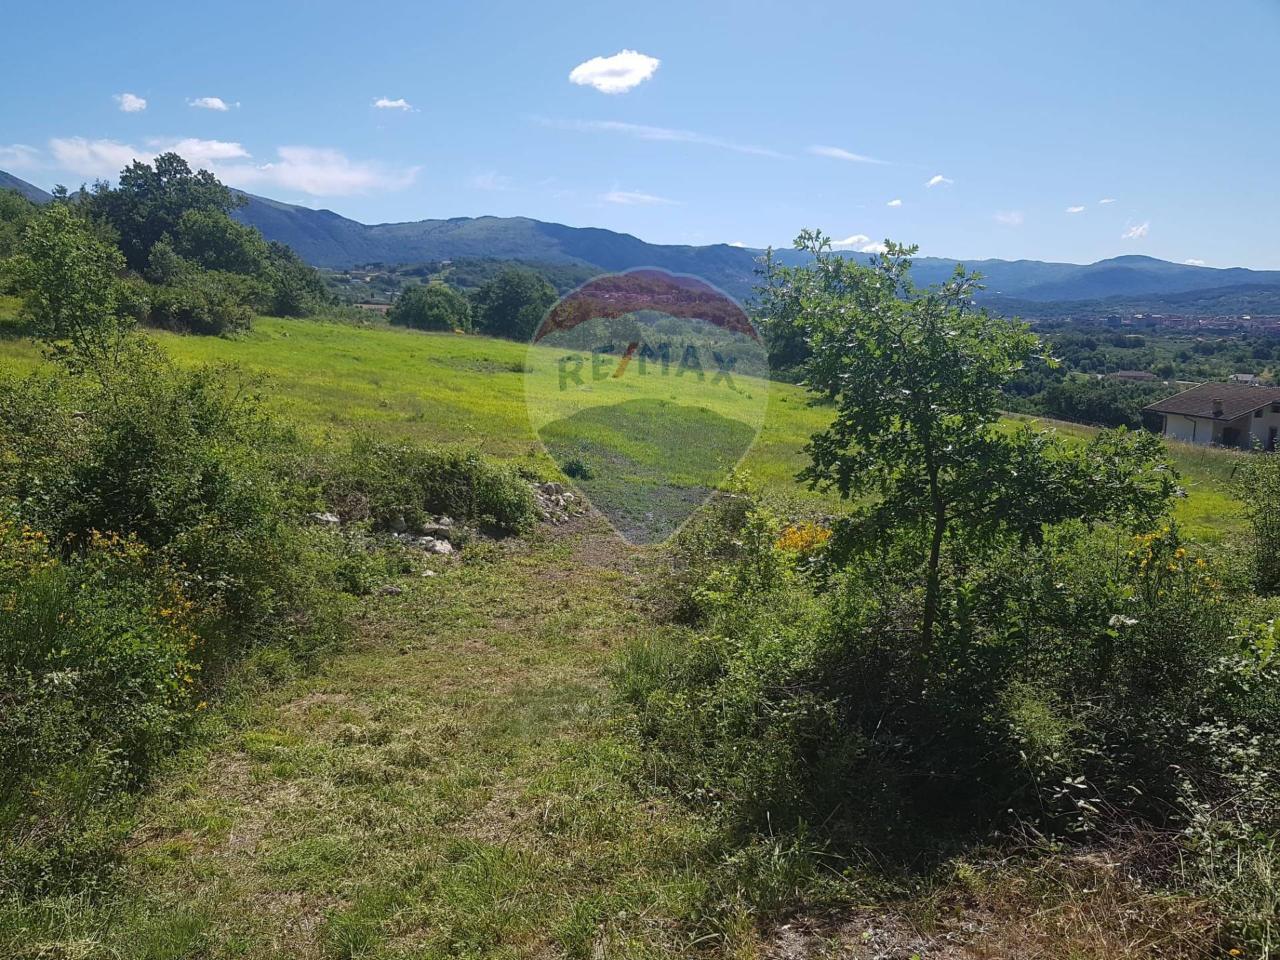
x,y
29,190
1243,300
327,239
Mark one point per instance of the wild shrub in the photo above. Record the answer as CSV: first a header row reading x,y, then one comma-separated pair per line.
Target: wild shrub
x,y
162,515
1257,483
1070,685
212,304
388,483
98,666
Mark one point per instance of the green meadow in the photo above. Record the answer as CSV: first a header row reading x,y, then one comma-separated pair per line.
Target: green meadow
x,y
456,781
333,379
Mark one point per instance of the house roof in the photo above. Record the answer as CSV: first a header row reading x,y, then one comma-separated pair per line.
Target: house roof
x,y
1237,399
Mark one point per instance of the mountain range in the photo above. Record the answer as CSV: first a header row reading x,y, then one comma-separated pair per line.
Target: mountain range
x,y
327,239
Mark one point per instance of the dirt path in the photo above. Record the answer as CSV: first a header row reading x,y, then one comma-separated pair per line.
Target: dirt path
x,y
450,787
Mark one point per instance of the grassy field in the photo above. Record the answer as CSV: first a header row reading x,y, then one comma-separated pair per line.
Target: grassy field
x,y
456,784
332,379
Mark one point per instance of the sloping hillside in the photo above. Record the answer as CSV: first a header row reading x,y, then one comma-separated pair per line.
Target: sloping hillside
x,y
29,190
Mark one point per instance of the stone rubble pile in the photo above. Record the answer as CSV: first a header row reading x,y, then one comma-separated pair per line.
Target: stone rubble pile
x,y
555,503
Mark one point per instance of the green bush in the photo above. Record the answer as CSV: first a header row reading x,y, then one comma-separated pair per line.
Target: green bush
x,y
203,303
432,306
154,530
1082,683
388,482
98,663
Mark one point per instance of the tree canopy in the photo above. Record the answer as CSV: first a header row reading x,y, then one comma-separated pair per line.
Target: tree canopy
x,y
916,378
431,306
513,303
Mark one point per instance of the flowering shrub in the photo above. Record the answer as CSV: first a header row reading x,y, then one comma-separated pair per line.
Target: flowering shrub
x,y
98,661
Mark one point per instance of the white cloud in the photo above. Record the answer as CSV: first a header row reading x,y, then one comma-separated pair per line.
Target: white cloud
x,y
1107,200
319,171
400,103
1010,218
838,153
1076,209
130,103
623,71
489,180
1193,262
18,156
200,153
106,158
894,203
736,243
93,158
860,242
314,170
212,103
1137,231
642,131
938,179
633,198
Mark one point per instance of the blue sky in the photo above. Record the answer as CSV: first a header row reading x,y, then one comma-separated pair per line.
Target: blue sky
x,y
749,127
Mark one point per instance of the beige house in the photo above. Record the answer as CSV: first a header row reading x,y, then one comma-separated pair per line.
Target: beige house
x,y
1222,414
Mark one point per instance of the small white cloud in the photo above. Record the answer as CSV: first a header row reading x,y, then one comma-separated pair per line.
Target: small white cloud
x,y
130,103
1137,231
489,180
18,156
860,242
1107,200
623,71
937,179
1075,209
1010,218
386,103
212,103
838,153
736,243
633,198
894,203
200,154
1193,262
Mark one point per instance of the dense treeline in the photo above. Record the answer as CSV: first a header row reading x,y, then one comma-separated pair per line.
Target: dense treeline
x,y
510,305
177,257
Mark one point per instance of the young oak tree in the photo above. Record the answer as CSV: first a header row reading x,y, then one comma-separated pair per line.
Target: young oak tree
x,y
69,279
915,378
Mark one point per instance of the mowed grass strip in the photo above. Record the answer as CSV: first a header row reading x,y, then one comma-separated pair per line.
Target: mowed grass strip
x,y
452,787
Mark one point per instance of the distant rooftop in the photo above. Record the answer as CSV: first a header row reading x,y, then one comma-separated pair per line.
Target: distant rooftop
x,y
1231,400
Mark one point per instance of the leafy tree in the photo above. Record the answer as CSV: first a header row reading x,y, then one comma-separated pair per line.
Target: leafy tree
x,y
70,283
211,239
431,306
296,288
512,304
151,201
16,211
916,379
